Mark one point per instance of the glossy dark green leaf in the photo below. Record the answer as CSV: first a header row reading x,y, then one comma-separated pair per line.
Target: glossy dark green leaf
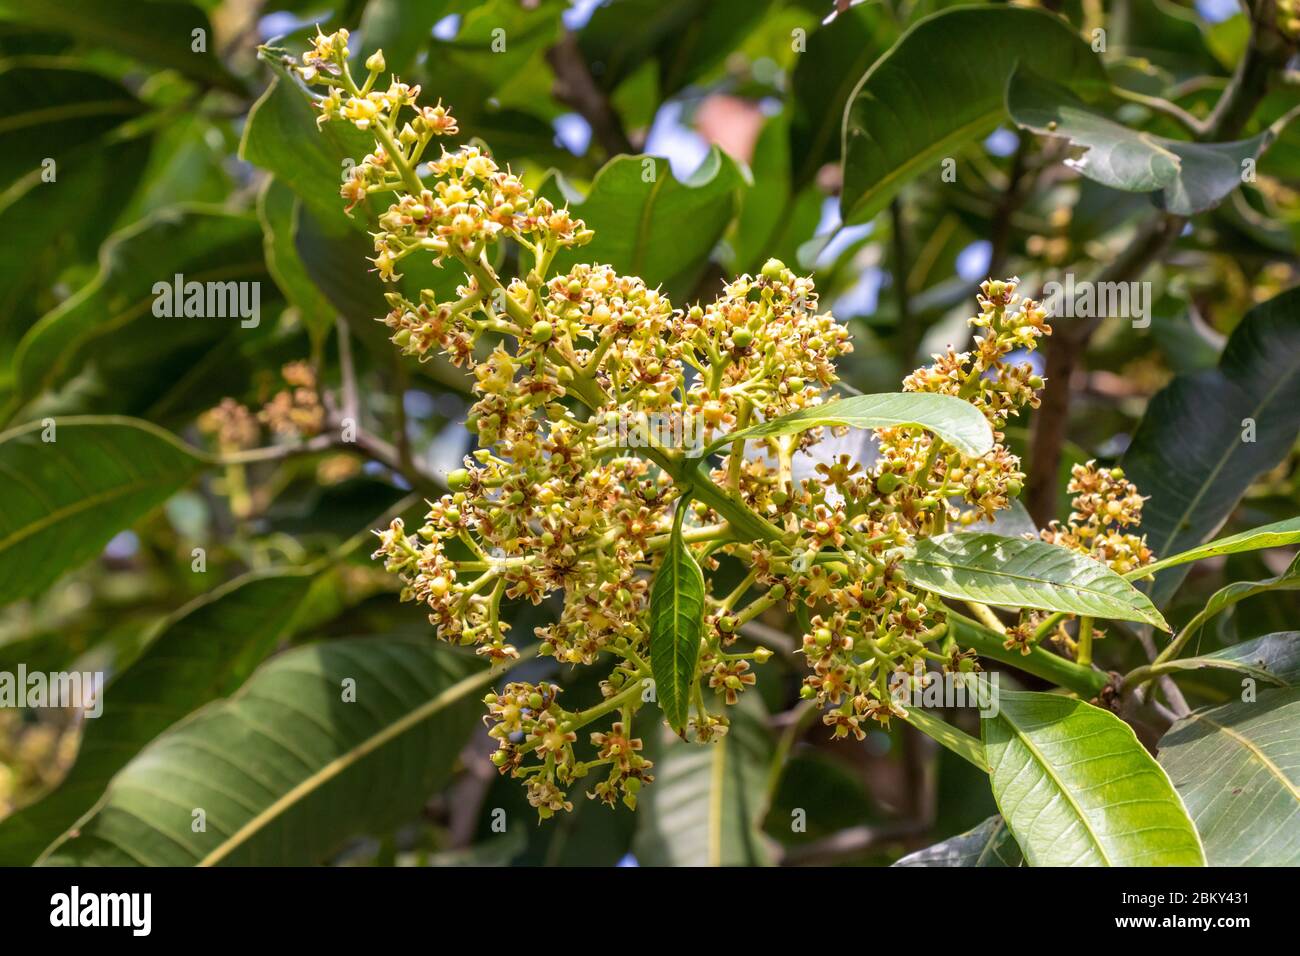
x,y
1272,658
676,624
66,497
112,318
1014,572
989,844
638,208
1076,787
1189,454
1237,768
286,769
203,652
1188,177
957,422
708,800
942,85
160,33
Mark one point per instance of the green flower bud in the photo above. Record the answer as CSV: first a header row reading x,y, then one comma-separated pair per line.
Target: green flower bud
x,y
773,269
458,480
375,62
542,332
887,483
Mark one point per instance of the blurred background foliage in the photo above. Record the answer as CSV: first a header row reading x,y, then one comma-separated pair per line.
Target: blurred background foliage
x,y
180,152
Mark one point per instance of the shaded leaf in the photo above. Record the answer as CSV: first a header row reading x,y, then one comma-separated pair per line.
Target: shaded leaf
x,y
203,652
1187,454
285,769
66,498
1272,658
1237,768
1014,572
1076,787
935,90
989,844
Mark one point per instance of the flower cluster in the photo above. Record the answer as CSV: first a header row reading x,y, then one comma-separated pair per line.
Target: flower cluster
x,y
597,400
295,411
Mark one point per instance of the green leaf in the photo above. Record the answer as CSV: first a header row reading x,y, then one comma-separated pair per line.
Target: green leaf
x,y
1189,177
1237,768
281,136
157,33
277,209
401,28
959,423
1077,788
286,769
67,497
1275,535
686,37
203,652
637,208
676,622
942,85
989,844
110,320
1014,572
1273,658
960,743
1188,455
707,801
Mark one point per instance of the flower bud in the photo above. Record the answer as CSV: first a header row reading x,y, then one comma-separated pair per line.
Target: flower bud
x,y
375,62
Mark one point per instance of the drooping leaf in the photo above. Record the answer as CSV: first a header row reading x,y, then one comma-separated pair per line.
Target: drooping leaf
x,y
989,844
1189,455
1237,591
277,209
676,624
1014,572
284,771
637,208
942,85
1188,177
203,652
67,496
111,319
944,733
1237,768
1076,787
1278,534
1272,658
161,33
958,423
708,800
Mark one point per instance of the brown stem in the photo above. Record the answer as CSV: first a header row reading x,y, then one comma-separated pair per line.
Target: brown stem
x,y
575,87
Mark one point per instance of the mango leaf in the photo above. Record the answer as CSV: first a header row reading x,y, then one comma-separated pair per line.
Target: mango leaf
x,y
1190,455
401,28
1188,177
686,37
161,34
958,423
203,652
824,76
1277,534
942,732
1227,596
74,484
989,844
1076,787
707,801
637,207
1272,658
1237,768
935,90
284,771
113,314
277,209
676,623
1014,572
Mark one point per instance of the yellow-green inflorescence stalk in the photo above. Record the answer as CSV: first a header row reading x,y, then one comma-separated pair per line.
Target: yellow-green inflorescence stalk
x,y
571,371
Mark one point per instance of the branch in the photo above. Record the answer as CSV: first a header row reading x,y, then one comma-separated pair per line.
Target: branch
x,y
575,87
